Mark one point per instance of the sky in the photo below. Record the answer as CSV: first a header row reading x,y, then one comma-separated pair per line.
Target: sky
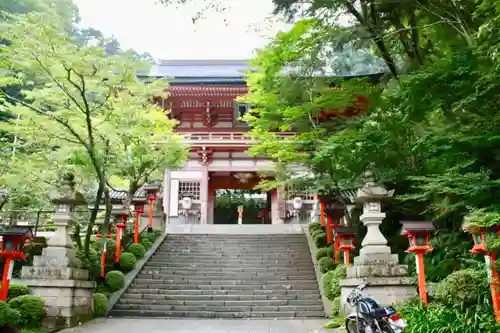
x,y
169,32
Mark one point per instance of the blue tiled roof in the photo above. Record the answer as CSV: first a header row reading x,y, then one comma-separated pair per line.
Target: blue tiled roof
x,y
222,71
198,69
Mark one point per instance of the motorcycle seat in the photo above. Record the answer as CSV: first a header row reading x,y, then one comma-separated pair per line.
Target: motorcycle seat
x,y
383,312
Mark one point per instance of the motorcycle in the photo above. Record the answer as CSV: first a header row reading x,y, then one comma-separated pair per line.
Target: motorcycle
x,y
370,317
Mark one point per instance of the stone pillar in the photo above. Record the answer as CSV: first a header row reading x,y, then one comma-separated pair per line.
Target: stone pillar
x,y
211,206
56,274
204,196
166,192
388,282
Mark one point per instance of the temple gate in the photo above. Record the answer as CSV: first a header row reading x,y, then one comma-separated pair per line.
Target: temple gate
x,y
202,97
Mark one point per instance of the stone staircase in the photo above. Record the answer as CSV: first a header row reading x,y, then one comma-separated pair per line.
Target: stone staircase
x,y
226,276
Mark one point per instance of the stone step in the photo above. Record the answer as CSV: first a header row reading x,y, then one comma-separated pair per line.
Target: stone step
x,y
257,254
223,308
232,249
164,269
213,314
173,286
222,275
228,281
156,263
206,304
152,294
229,262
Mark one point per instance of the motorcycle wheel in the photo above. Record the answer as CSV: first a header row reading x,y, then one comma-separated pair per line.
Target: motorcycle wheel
x,y
387,329
351,327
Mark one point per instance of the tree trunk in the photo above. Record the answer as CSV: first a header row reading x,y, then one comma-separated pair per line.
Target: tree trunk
x,y
93,216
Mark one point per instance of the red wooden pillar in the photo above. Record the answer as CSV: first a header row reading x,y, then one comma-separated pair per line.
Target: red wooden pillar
x,y
322,213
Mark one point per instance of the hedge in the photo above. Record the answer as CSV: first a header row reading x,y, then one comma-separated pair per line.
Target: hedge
x,y
127,262
115,280
31,308
326,264
138,250
100,305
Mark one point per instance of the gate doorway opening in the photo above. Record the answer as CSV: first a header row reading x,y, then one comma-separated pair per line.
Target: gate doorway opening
x,y
255,203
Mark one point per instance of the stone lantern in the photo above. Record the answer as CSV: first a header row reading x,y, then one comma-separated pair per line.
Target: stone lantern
x,y
56,274
388,281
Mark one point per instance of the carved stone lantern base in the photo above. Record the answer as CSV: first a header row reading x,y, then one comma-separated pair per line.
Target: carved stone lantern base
x,y
385,290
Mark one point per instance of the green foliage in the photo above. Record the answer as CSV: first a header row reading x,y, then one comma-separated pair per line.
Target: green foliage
x,y
330,281
31,308
323,252
314,226
127,262
320,239
336,306
115,280
465,287
90,262
146,243
100,305
8,316
138,250
17,289
334,323
437,318
326,264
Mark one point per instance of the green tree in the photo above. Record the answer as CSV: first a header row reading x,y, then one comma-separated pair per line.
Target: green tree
x,y
77,91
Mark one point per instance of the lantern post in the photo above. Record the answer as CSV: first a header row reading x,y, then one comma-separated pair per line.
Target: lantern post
x,y
335,210
13,239
139,210
297,206
344,242
240,214
418,233
480,237
151,191
120,226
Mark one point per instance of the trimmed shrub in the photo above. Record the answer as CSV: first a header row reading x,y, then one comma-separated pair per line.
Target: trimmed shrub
x,y
322,252
31,308
326,264
90,262
127,262
317,232
313,227
17,289
336,306
320,240
330,281
137,250
339,273
100,305
8,316
462,287
151,236
146,243
115,280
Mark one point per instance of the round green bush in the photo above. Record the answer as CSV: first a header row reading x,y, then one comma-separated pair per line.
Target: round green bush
x,y
313,227
127,262
90,261
17,289
339,273
151,236
115,280
146,243
462,287
137,250
320,240
322,252
336,306
100,305
31,308
8,316
317,232
326,264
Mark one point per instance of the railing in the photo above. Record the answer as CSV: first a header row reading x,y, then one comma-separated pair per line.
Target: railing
x,y
225,136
